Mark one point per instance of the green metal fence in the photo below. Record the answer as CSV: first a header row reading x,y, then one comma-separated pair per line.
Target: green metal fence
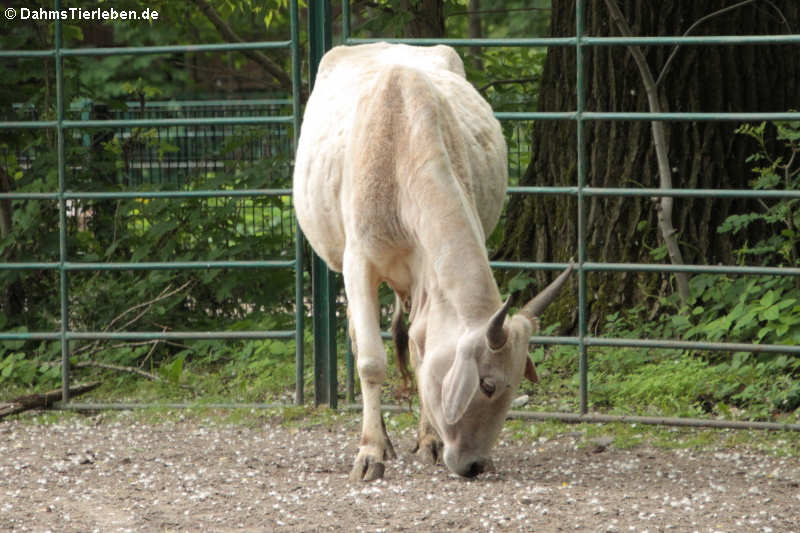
x,y
324,283
202,149
67,264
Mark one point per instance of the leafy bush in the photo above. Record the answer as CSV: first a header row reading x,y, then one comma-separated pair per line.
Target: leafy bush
x,y
759,309
782,215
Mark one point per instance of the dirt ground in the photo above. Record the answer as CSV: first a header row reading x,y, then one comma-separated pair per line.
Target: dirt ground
x,y
115,472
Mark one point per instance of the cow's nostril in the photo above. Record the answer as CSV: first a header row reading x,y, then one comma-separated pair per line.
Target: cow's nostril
x,y
475,469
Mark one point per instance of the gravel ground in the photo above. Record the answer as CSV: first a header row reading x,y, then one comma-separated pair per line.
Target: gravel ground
x,y
119,473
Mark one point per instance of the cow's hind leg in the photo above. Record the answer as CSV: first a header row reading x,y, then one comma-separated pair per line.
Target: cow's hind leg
x,y
429,445
375,447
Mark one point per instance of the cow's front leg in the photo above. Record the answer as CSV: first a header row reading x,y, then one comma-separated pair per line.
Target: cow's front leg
x,y
362,296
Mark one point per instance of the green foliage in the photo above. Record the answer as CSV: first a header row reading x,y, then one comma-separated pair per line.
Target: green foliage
x,y
21,370
780,216
756,309
722,308
759,309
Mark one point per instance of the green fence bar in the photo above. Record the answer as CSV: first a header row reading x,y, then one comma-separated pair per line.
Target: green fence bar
x,y
148,335
593,41
62,211
299,252
651,267
691,117
142,195
323,280
505,42
694,345
145,50
639,116
668,344
676,193
68,266
583,319
693,40
151,123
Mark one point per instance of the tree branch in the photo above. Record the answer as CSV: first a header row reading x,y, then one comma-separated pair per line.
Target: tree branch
x,y
664,207
495,11
668,62
274,70
166,293
494,83
144,307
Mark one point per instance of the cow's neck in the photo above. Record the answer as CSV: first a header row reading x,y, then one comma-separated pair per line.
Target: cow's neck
x,y
451,277
457,290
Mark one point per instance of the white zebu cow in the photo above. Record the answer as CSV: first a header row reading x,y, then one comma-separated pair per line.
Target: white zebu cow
x,y
399,177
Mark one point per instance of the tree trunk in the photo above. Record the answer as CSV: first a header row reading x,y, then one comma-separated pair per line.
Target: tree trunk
x,y
620,154
475,31
426,18
12,293
6,207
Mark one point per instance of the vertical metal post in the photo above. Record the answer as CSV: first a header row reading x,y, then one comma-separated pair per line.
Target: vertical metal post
x,y
581,168
299,313
323,282
62,209
345,20
350,387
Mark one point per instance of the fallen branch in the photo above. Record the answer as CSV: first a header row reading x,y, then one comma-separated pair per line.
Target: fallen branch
x,y
42,400
110,366
118,368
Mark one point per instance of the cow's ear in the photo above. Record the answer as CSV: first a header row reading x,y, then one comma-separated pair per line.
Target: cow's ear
x,y
530,370
459,386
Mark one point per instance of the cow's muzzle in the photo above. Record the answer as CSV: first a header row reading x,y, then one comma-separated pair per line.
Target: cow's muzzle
x,y
465,466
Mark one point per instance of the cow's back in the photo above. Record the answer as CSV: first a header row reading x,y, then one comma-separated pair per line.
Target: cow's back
x,y
380,115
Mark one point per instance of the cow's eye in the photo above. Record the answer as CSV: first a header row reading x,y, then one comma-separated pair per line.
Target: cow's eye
x,y
488,386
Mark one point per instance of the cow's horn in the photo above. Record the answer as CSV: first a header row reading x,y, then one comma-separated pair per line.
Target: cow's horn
x,y
535,307
496,334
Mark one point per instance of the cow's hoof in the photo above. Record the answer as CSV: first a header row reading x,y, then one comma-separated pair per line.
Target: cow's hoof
x,y
367,468
429,451
368,465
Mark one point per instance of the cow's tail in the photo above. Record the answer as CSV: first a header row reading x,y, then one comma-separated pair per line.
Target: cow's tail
x,y
400,338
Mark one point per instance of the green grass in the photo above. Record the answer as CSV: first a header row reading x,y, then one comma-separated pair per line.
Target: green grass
x,y
621,381
630,436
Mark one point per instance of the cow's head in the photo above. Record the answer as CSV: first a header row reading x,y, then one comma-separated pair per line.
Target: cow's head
x,y
466,393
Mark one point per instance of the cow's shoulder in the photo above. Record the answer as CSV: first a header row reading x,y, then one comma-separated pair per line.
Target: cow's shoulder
x,y
371,57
